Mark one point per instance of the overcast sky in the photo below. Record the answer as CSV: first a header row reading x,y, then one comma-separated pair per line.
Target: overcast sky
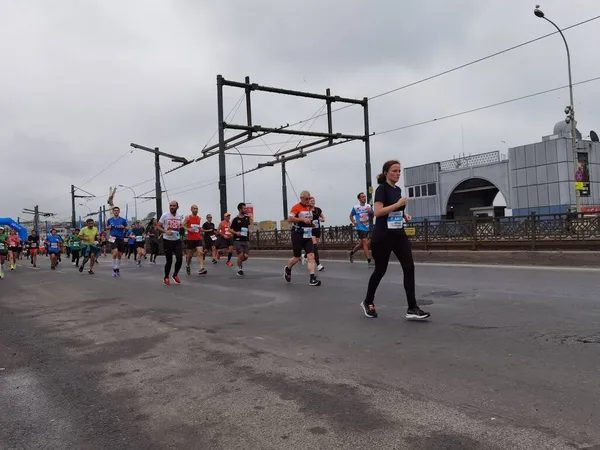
x,y
82,79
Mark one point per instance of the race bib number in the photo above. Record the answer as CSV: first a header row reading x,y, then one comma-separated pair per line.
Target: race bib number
x,y
196,228
175,234
33,245
363,217
2,247
53,245
139,238
213,237
307,233
395,221
112,239
244,232
95,243
76,244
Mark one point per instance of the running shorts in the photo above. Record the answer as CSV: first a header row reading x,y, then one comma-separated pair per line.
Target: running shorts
x,y
226,242
140,245
119,245
209,242
242,247
193,245
363,234
299,243
13,249
87,250
316,232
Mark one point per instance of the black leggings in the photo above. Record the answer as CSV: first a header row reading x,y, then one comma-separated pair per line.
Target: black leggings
x,y
75,256
171,247
381,251
153,249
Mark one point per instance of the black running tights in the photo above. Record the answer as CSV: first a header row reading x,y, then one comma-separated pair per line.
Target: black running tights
x,y
153,249
381,251
171,247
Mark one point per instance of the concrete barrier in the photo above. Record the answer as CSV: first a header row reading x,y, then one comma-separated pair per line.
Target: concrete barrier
x,y
499,257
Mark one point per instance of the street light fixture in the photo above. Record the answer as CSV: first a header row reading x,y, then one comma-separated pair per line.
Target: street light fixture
x,y
570,109
134,199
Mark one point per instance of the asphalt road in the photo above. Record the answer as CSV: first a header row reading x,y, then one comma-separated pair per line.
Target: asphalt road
x,y
509,360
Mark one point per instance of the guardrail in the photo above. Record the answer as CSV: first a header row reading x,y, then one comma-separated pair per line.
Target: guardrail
x,y
533,232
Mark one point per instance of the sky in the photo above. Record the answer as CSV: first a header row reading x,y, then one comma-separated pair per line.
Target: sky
x,y
82,79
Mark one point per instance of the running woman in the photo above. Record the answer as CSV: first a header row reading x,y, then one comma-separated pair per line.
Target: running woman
x,y
301,218
210,238
360,217
194,241
34,243
75,246
130,248
90,245
152,233
103,242
117,227
53,242
224,231
13,248
3,250
138,234
171,226
240,228
389,236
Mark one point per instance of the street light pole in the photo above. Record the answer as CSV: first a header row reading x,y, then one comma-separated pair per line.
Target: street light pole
x,y
570,110
134,199
243,176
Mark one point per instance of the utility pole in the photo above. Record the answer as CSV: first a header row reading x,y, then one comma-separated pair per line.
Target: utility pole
x,y
36,216
73,197
284,191
157,154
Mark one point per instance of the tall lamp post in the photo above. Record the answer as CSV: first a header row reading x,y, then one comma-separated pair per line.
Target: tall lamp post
x,y
569,110
243,177
134,199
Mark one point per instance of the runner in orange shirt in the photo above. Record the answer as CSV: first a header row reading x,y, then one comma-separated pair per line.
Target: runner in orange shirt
x,y
224,231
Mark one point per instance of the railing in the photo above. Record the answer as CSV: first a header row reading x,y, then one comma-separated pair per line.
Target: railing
x,y
533,232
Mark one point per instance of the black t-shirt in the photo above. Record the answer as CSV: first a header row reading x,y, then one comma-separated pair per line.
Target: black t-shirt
x,y
316,214
208,228
388,195
239,223
31,240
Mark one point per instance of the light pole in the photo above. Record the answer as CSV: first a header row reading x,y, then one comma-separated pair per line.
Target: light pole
x,y
569,110
86,206
134,199
243,177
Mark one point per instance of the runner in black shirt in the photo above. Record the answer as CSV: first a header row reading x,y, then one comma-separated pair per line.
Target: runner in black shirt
x,y
34,244
318,217
240,227
389,236
210,238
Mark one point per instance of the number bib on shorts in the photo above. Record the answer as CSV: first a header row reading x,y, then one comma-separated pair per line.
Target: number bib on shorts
x,y
307,233
213,237
139,238
244,232
175,234
112,239
53,245
395,221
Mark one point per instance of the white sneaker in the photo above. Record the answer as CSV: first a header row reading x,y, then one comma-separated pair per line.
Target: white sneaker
x,y
74,264
320,267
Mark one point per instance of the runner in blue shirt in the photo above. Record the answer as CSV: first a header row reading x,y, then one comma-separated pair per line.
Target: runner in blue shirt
x,y
53,243
117,227
360,217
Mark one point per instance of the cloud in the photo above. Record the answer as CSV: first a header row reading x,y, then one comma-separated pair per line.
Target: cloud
x,y
85,79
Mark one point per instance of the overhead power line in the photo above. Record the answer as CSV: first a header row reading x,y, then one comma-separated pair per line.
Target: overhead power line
x,y
481,108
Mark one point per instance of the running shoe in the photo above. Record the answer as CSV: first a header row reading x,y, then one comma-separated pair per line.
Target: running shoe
x,y
369,310
218,256
287,274
351,256
416,314
166,281
188,270
176,278
74,264
114,274
80,269
229,264
52,267
314,282
214,261
1,275
91,272
118,272
320,267
240,273
202,271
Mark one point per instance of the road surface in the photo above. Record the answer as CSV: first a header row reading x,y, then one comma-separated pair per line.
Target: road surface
x,y
509,360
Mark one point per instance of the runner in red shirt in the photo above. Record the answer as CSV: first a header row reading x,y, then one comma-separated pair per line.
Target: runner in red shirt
x,y
194,241
224,231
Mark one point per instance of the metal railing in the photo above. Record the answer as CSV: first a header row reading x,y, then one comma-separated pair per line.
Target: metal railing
x,y
533,232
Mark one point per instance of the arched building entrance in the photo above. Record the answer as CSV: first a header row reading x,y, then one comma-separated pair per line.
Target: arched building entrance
x,y
473,197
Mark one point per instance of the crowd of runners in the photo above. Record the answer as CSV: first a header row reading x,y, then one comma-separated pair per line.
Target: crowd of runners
x,y
190,236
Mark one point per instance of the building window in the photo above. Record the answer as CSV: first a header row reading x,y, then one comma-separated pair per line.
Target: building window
x,y
417,191
411,192
424,190
432,189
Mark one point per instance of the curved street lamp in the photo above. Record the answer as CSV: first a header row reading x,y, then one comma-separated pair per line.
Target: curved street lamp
x,y
569,110
134,199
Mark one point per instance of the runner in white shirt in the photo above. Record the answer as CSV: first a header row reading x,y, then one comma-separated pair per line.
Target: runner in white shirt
x,y
171,224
